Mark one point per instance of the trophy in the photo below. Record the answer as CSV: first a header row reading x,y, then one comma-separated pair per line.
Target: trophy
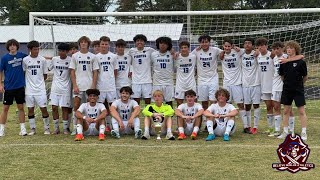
x,y
157,127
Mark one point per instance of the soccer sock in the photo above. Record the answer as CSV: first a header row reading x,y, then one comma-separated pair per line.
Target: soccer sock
x,y
181,130
243,116
74,120
210,127
32,123
69,119
108,121
46,123
102,128
65,124
285,129
270,120
146,130
291,123
169,130
56,123
277,122
79,129
248,113
2,127
230,125
22,126
115,125
196,129
304,130
256,114
136,124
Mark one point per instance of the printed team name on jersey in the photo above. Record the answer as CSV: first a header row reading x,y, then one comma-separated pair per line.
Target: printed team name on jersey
x,y
124,111
105,63
122,62
230,60
251,58
140,56
185,65
34,67
206,59
264,63
84,62
62,67
93,115
15,62
163,60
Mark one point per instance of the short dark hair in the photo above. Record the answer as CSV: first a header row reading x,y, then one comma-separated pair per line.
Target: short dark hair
x,y
228,40
12,42
165,40
64,47
73,45
33,44
93,91
277,44
140,36
222,91
121,42
84,38
184,43
190,93
261,41
95,43
126,89
249,39
203,37
104,38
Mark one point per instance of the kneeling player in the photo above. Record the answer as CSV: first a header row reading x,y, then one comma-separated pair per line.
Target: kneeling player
x,y
125,113
160,113
223,114
189,115
91,117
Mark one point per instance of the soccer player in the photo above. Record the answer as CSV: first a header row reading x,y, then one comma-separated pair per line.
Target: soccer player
x,y
95,46
220,117
123,77
163,69
125,113
294,75
83,72
185,64
158,112
73,48
141,69
14,82
91,117
60,88
36,70
189,115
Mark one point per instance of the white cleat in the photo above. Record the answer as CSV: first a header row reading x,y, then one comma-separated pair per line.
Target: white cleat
x,y
145,136
304,136
170,136
32,132
115,134
74,132
23,132
283,135
138,134
47,132
1,132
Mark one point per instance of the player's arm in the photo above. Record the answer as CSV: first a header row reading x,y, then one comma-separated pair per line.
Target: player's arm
x,y
294,58
102,115
208,114
198,114
179,113
73,80
221,55
1,87
79,115
94,79
232,113
168,112
134,114
114,113
305,78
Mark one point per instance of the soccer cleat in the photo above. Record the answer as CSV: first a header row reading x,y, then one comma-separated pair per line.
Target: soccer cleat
x,y
193,136
182,136
304,136
274,134
269,131
56,131
66,131
32,132
138,134
101,137
283,135
47,132
210,137
254,131
226,137
247,130
23,132
74,132
115,134
79,137
145,136
170,136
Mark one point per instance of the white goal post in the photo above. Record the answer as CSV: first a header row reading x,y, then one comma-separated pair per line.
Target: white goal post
x,y
302,25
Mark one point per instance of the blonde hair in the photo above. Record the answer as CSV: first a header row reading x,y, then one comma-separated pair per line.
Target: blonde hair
x,y
295,45
157,92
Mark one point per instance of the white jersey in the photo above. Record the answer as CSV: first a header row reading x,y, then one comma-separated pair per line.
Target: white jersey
x,y
267,72
216,109
231,67
35,68
107,65
91,111
125,109
61,82
141,65
250,69
163,68
84,65
185,79
277,82
207,64
122,78
189,111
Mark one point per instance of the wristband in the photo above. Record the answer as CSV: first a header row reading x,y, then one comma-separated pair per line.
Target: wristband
x,y
84,117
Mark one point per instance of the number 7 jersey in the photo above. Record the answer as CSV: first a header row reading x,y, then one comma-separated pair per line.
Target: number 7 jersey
x,y
61,82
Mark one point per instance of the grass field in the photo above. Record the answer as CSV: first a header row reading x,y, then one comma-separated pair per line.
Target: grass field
x,y
60,157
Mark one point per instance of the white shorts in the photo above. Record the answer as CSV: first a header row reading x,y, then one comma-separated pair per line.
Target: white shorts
x,y
276,96
207,92
266,96
128,130
92,130
188,129
168,91
60,100
252,94
142,90
33,100
236,93
82,95
221,129
108,96
180,94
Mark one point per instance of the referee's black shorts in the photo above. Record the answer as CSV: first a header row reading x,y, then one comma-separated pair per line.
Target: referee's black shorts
x,y
296,95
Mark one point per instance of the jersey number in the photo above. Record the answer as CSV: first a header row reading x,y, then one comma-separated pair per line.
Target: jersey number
x,y
263,68
84,67
206,64
163,65
185,70
105,68
248,64
33,72
231,65
121,68
61,72
124,116
140,61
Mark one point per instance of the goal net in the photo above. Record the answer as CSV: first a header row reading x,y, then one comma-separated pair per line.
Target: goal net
x,y
302,25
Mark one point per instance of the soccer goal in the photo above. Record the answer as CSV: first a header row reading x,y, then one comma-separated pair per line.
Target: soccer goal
x,y
302,25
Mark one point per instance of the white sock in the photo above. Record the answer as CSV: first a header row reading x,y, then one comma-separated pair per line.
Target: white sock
x,y
22,126
74,120
304,130
136,124
32,123
65,124
256,114
46,123
291,123
230,125
243,116
181,130
196,129
277,122
79,128
146,130
270,120
102,128
168,130
2,126
56,123
69,120
248,113
115,125
210,127
285,129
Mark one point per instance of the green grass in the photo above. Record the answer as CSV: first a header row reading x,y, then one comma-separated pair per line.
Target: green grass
x,y
60,157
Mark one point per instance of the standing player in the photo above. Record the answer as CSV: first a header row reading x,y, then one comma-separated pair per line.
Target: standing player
x,y
36,70
14,82
125,113
123,77
141,69
189,115
83,72
61,87
95,47
220,117
163,69
91,117
294,75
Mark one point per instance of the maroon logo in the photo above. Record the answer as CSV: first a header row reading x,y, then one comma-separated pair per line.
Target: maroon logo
x,y
293,154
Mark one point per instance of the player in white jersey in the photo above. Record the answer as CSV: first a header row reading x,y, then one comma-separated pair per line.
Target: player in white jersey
x,y
83,72
185,64
163,69
60,88
141,69
123,77
189,115
90,117
220,117
267,71
125,114
250,85
36,70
